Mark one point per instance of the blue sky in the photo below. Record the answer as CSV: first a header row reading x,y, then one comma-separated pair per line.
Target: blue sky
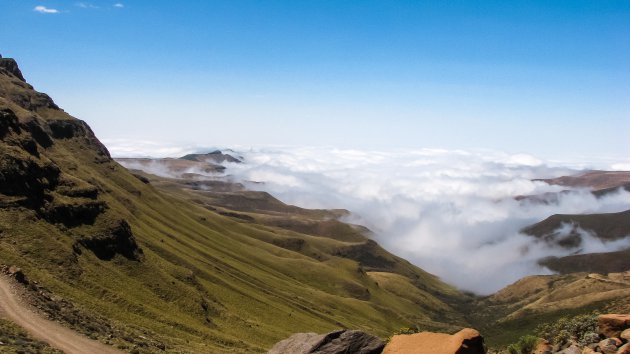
x,y
550,78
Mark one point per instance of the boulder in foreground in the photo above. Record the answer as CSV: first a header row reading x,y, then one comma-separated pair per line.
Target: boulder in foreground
x,y
466,341
342,341
611,325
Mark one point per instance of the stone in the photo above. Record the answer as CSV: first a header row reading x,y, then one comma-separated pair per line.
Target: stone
x,y
341,341
11,66
611,325
350,342
17,274
625,334
588,350
543,347
608,346
298,343
466,341
573,349
624,349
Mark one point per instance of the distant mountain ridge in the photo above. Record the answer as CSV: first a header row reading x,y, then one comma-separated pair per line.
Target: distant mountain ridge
x,y
216,156
595,180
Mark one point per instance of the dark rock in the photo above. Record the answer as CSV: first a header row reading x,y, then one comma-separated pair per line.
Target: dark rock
x,y
350,342
23,175
118,239
290,243
11,66
369,255
76,128
141,178
8,122
39,134
17,274
75,214
337,342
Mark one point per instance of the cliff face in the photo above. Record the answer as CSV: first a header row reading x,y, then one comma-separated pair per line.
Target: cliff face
x,y
10,66
33,176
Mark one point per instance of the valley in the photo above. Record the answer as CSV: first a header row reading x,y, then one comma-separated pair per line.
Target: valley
x,y
189,260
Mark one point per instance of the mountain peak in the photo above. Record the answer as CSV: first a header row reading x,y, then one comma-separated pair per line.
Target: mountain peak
x,y
216,156
10,65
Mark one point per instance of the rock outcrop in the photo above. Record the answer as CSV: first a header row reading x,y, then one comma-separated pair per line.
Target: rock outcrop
x,y
36,138
612,325
11,66
466,341
336,342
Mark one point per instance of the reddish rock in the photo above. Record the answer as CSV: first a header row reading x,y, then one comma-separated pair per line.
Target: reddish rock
x,y
609,345
612,325
543,347
572,350
466,341
624,349
625,335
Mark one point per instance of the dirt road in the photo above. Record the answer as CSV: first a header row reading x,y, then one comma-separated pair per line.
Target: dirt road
x,y
13,308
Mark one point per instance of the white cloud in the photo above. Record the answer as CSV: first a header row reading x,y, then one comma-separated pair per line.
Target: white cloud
x,y
451,212
119,5
86,5
146,148
621,167
45,10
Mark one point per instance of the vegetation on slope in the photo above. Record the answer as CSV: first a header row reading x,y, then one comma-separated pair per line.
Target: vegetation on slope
x,y
147,270
519,308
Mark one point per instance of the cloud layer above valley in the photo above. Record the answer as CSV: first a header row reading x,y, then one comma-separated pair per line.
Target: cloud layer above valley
x,y
451,212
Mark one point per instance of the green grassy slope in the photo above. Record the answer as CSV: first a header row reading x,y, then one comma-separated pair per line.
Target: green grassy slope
x,y
518,308
146,269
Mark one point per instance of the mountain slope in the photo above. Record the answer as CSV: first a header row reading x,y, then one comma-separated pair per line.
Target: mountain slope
x,y
140,268
595,180
518,308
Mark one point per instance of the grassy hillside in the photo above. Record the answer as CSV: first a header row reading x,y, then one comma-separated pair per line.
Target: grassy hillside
x,y
603,263
518,308
608,227
147,268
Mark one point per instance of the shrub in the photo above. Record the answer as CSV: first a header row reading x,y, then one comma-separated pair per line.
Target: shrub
x,y
525,345
404,330
581,328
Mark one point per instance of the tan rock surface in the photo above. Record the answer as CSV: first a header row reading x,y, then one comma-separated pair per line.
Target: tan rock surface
x,y
611,325
466,341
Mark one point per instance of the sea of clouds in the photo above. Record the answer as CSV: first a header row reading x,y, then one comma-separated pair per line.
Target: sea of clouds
x,y
450,212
